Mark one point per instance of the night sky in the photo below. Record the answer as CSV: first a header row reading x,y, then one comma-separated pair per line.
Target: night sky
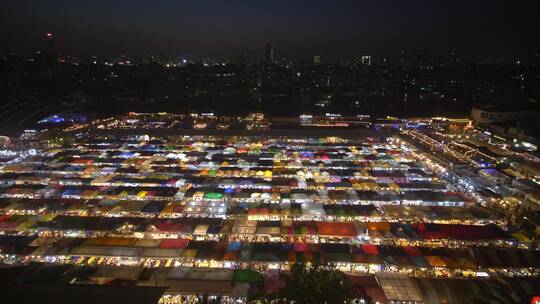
x,y
298,29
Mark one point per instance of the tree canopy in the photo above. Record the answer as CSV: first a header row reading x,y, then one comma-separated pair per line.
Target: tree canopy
x,y
307,284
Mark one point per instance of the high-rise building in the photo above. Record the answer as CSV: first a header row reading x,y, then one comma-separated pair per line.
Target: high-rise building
x,y
365,60
50,55
403,58
316,59
269,53
452,58
51,43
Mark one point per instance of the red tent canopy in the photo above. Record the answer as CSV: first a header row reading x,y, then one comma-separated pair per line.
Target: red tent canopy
x,y
336,229
370,249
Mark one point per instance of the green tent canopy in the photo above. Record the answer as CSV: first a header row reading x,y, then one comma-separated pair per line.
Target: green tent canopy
x,y
213,195
247,276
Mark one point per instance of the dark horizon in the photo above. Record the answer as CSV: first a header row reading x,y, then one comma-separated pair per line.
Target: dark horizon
x,y
347,29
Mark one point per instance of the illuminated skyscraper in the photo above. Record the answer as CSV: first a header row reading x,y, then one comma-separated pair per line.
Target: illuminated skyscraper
x,y
366,60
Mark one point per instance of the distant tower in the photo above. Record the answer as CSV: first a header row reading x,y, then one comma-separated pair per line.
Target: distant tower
x,y
269,53
316,59
51,43
51,56
453,57
403,58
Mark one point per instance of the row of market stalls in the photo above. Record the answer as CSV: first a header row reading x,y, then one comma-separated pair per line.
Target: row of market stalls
x,y
174,252
236,194
113,284
164,171
374,167
270,170
212,204
308,147
371,165
254,230
188,285
236,179
396,288
185,285
378,162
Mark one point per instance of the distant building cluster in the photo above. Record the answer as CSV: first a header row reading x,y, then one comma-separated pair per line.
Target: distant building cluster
x,y
408,84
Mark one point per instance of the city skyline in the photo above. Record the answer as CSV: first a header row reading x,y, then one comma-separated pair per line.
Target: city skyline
x,y
346,29
267,56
